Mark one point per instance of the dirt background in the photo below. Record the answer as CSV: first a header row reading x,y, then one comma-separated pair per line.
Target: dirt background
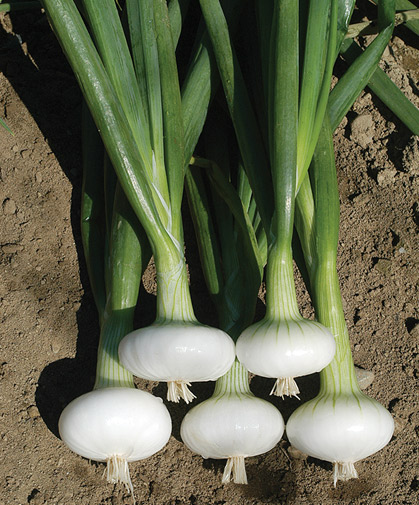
x,y
49,331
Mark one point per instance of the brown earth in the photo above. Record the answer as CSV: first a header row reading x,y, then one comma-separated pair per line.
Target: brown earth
x,y
49,328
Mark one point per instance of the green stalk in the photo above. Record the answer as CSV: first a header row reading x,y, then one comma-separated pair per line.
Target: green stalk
x,y
92,222
319,46
129,255
281,299
235,381
339,375
174,302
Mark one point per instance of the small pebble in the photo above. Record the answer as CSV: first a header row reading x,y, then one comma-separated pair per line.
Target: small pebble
x,y
362,130
11,248
9,206
38,177
33,412
364,377
55,346
386,177
383,266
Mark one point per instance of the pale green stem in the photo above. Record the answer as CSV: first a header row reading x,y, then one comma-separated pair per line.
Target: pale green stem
x,y
174,303
235,381
281,298
339,376
109,373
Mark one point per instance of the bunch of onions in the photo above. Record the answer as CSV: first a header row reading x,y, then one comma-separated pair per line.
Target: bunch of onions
x,y
292,138
126,67
143,133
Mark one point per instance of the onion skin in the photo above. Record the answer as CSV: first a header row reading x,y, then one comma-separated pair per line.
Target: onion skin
x,y
183,352
287,348
233,425
340,428
125,422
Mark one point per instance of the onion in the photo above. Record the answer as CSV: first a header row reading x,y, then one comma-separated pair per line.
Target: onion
x,y
116,426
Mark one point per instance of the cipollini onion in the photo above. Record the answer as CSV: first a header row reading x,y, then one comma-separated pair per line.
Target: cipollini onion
x,y
341,429
177,349
284,345
233,424
116,426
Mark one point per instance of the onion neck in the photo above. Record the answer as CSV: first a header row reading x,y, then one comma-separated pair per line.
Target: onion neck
x,y
174,304
235,381
281,298
339,376
109,372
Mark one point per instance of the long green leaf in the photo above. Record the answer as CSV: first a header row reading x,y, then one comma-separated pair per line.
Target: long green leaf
x,y
177,13
345,10
200,84
92,216
174,142
312,77
244,119
208,245
108,115
110,40
144,43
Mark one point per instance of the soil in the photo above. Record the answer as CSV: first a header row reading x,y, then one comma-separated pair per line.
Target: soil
x,y
49,330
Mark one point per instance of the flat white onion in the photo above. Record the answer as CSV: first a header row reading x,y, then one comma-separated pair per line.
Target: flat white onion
x,y
285,349
233,424
177,353
340,428
115,425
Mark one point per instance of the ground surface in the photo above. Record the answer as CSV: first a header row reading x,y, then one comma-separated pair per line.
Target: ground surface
x,y
49,332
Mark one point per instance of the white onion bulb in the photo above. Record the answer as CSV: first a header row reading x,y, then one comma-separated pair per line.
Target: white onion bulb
x,y
115,425
177,353
340,428
233,424
284,349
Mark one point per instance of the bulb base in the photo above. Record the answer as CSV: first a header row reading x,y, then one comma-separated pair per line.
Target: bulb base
x,y
178,390
285,386
235,465
117,470
343,471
